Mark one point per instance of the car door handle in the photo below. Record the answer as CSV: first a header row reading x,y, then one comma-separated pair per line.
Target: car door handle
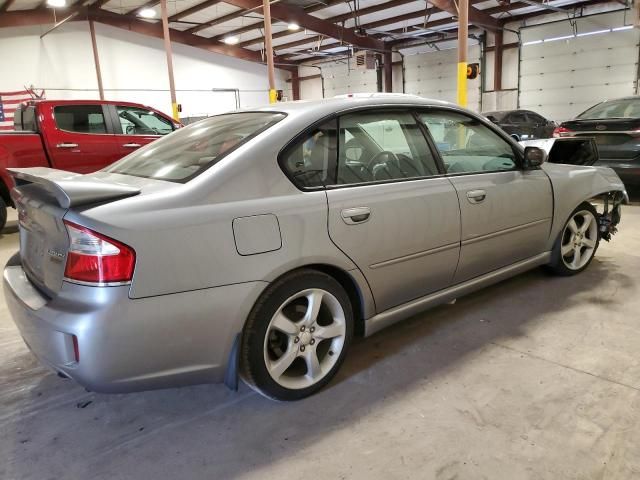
x,y
67,145
131,145
352,216
476,196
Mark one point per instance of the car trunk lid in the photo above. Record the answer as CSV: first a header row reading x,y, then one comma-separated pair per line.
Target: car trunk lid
x,y
42,197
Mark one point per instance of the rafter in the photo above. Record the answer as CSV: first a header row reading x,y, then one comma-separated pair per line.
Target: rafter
x,y
476,17
192,10
335,19
288,13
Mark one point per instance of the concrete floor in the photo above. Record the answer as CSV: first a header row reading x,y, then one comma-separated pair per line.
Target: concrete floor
x,y
535,378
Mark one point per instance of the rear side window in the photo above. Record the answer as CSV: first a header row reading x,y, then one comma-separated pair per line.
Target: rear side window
x,y
25,118
191,150
140,121
80,118
311,161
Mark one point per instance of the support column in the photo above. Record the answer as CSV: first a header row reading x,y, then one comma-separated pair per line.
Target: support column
x,y
387,64
497,61
96,58
463,32
295,84
167,48
268,46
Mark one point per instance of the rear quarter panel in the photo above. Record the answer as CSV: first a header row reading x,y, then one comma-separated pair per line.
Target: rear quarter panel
x,y
573,185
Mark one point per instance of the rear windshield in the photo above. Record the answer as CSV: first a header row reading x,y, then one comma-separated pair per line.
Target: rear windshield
x,y
182,155
623,108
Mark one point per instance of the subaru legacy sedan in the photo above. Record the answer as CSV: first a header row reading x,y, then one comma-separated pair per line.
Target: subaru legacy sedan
x,y
256,244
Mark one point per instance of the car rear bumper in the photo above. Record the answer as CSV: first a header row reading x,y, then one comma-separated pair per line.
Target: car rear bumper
x,y
129,344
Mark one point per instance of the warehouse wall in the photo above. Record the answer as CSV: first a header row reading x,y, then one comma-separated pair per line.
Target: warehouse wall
x,y
133,65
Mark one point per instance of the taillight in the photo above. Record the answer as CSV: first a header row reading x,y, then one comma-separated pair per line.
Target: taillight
x,y
562,132
97,259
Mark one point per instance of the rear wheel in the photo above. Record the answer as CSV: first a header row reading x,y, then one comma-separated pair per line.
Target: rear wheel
x,y
577,243
296,336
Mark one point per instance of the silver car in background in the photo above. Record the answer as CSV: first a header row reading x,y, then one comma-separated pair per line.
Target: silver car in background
x,y
256,244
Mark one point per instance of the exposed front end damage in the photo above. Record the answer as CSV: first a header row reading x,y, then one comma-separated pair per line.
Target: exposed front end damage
x,y
611,214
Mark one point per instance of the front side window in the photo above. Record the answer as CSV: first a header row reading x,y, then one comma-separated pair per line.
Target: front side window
x,y
80,118
140,121
517,117
466,145
193,149
311,161
382,145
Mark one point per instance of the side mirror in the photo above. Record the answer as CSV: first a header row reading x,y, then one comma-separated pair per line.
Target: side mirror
x,y
534,157
515,136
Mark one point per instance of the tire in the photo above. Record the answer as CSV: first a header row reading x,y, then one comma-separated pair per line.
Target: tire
x,y
576,245
3,214
290,347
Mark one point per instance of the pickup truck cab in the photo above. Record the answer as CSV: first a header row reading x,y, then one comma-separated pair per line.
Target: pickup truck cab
x,y
80,136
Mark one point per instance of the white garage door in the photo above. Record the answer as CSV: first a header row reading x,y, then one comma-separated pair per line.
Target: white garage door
x,y
343,77
565,71
435,75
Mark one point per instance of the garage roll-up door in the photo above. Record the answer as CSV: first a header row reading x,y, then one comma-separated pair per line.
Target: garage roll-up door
x,y
342,77
434,75
564,71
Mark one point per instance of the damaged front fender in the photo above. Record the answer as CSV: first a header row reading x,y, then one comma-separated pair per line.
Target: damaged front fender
x,y
574,184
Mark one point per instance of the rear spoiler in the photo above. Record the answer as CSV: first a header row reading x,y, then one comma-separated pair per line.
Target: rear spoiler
x,y
72,189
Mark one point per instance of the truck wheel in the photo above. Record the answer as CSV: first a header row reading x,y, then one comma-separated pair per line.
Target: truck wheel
x,y
3,214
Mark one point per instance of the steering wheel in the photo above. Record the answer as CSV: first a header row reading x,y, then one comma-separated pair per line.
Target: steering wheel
x,y
381,157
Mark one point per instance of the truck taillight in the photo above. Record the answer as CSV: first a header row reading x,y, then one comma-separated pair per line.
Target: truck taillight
x,y
97,259
562,132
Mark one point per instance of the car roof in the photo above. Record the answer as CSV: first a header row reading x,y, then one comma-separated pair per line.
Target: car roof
x,y
345,102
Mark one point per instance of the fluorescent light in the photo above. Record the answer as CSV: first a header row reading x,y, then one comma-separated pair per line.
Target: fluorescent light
x,y
56,3
585,34
618,29
533,42
147,13
293,27
555,39
231,40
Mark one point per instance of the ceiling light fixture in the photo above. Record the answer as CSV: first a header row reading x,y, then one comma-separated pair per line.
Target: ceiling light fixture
x,y
293,27
56,3
231,40
147,13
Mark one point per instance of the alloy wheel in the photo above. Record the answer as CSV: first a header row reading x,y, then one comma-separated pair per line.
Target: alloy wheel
x,y
304,338
579,240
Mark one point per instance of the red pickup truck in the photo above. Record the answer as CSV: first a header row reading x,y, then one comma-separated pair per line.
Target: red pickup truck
x,y
76,135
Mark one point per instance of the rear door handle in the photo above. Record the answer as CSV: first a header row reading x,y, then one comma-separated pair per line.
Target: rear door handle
x,y
131,145
476,196
67,145
352,216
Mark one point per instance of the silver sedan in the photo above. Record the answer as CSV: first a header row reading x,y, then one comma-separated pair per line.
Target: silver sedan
x,y
256,244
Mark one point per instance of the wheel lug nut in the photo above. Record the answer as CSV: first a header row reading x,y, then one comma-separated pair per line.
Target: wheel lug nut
x,y
312,329
302,328
302,348
296,340
313,340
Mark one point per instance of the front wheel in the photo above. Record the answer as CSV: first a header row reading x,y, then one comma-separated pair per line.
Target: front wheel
x,y
296,336
577,244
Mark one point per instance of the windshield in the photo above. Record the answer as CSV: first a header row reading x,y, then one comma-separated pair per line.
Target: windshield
x,y
182,155
623,108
